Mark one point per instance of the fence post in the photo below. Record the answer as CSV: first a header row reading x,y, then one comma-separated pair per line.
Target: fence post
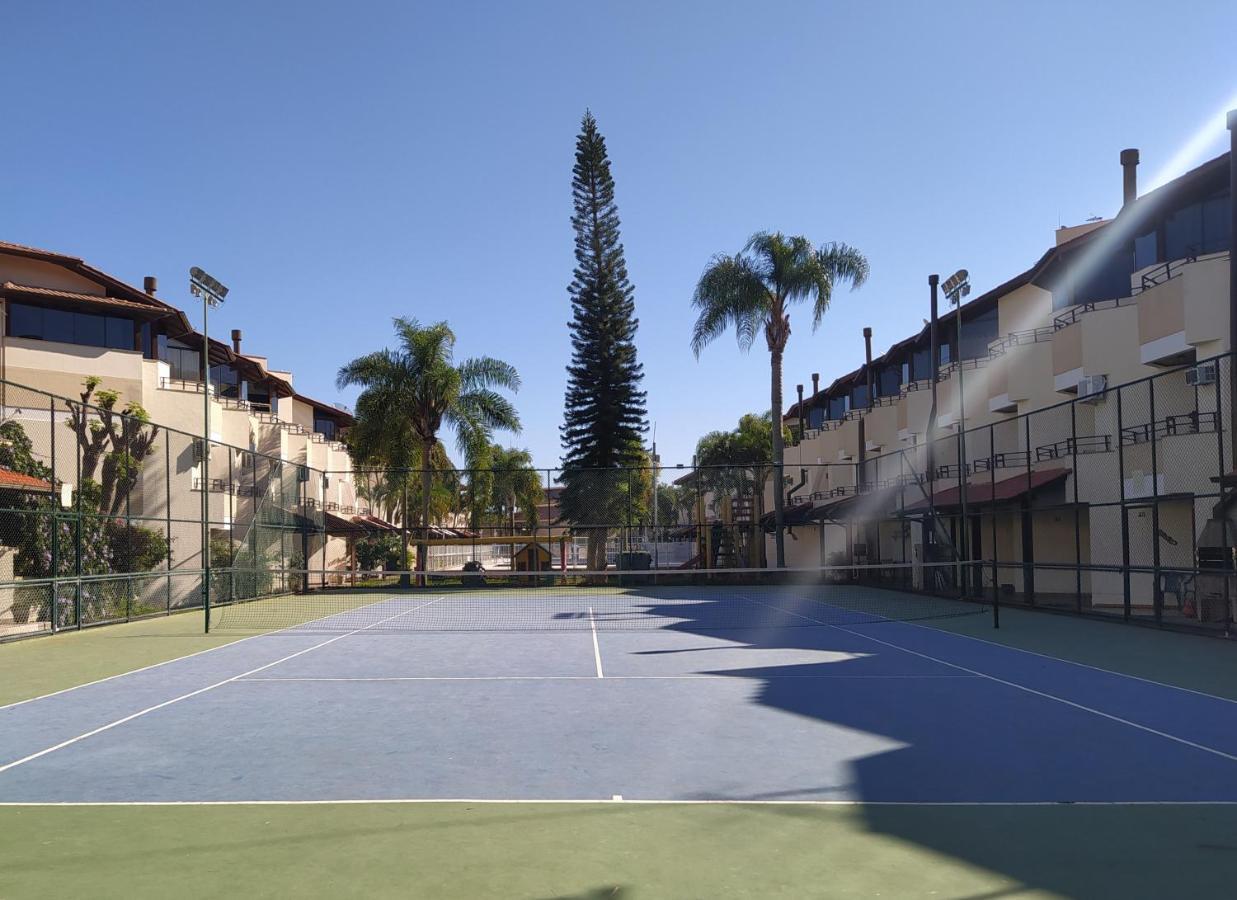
x,y
1157,596
53,611
1125,523
128,537
167,510
996,569
1073,427
1028,522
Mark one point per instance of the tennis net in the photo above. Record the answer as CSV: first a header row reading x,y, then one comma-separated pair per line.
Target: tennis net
x,y
604,600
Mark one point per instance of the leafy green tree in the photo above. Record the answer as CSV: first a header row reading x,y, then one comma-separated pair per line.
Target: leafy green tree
x,y
604,410
516,486
752,292
410,393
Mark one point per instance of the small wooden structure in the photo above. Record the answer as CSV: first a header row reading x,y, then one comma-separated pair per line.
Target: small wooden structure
x,y
533,557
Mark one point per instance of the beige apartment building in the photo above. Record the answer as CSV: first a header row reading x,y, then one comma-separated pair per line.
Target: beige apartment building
x,y
63,321
1068,479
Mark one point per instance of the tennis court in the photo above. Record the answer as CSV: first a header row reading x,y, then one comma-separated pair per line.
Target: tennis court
x,y
641,692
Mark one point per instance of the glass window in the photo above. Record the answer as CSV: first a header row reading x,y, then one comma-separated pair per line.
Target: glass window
x,y
58,325
226,381
920,364
1216,224
945,354
25,321
1146,250
888,380
325,427
859,396
977,333
89,330
837,407
119,333
1183,232
815,416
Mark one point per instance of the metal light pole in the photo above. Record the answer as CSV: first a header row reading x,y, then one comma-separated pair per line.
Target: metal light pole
x,y
212,293
956,287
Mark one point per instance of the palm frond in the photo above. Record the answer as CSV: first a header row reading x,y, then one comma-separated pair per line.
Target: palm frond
x,y
730,292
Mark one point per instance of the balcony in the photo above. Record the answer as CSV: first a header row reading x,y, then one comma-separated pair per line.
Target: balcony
x,y
1180,307
1068,448
217,485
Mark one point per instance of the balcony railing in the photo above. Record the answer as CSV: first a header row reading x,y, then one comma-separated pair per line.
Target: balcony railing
x,y
217,485
1073,314
192,385
1018,338
1008,459
331,506
1096,443
1170,426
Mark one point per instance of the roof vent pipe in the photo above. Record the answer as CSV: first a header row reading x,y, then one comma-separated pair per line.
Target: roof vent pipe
x,y
236,341
1129,176
150,284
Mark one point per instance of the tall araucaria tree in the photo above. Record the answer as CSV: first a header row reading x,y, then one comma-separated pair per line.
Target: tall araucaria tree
x,y
752,291
410,393
604,412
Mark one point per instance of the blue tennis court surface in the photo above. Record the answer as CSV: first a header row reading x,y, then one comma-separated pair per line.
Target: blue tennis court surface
x,y
785,707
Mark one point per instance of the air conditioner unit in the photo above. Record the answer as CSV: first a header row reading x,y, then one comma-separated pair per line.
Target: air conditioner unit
x,y
1091,388
1200,375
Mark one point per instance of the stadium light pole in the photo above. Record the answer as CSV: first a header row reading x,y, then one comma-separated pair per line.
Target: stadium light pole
x,y
212,293
956,288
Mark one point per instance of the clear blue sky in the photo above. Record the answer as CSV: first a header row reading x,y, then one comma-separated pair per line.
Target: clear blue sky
x,y
340,164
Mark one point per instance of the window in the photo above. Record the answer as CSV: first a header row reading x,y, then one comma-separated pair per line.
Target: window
x,y
945,354
88,329
1183,232
183,361
119,333
977,333
1146,250
25,321
815,416
326,427
226,381
1216,224
887,381
921,367
838,407
859,396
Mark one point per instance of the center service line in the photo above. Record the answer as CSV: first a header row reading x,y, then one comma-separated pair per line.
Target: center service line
x,y
592,622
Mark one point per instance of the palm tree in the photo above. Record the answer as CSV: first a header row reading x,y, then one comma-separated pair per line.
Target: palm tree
x,y
752,291
410,393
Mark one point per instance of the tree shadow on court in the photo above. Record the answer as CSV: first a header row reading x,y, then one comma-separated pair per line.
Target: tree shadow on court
x,y
971,755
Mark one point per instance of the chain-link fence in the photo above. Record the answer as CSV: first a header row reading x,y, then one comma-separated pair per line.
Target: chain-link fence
x,y
1118,503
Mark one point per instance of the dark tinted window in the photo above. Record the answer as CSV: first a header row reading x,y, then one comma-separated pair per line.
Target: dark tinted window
x,y
25,321
977,333
119,333
921,368
90,330
887,381
58,325
1216,224
859,396
325,427
1146,250
815,416
837,407
1183,232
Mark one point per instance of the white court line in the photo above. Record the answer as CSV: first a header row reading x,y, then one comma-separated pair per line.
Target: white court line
x,y
592,622
209,687
187,655
478,801
1013,684
1072,662
707,676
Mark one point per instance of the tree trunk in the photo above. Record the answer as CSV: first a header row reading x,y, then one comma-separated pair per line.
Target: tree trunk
x,y
427,485
597,548
779,500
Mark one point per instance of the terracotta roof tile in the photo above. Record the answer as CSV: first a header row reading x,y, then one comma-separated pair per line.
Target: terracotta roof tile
x,y
11,479
85,298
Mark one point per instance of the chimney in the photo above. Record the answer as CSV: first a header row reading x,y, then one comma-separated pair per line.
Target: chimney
x,y
236,340
867,352
150,284
815,383
799,409
1129,176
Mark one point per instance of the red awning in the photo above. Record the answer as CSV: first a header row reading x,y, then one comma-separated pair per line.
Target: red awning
x,y
980,490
